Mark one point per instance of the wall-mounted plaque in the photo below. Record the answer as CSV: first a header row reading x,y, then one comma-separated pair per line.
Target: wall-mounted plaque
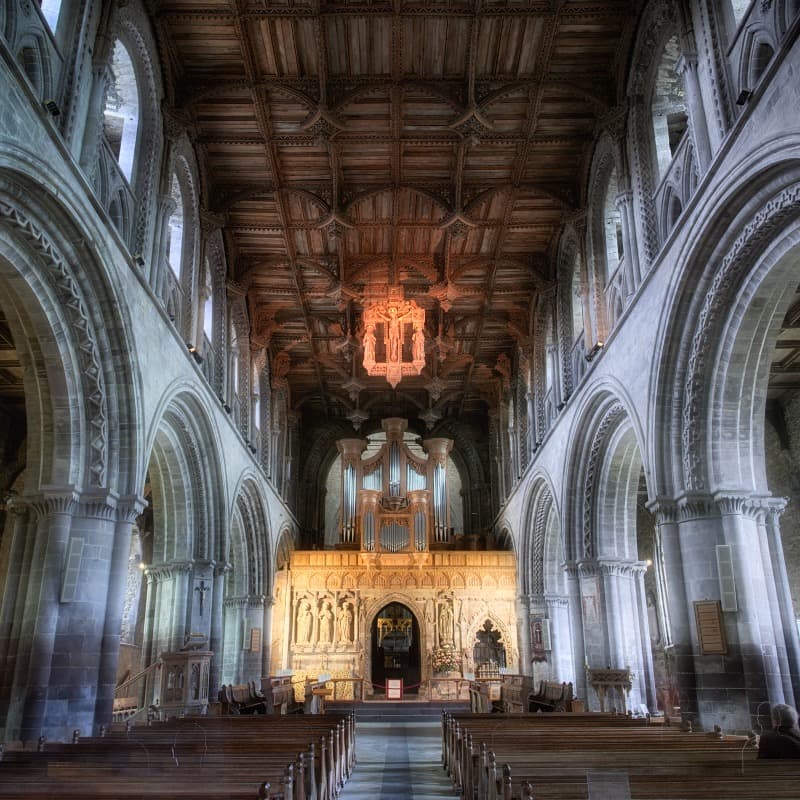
x,y
710,628
255,640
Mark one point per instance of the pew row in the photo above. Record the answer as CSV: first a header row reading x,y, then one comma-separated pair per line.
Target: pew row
x,y
548,757
287,758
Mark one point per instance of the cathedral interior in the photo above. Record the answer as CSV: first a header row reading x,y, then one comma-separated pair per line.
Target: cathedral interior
x,y
397,340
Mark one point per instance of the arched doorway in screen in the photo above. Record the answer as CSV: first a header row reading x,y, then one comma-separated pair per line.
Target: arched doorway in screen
x,y
395,648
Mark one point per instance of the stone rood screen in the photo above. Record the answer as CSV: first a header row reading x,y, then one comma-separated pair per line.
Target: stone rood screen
x,y
394,501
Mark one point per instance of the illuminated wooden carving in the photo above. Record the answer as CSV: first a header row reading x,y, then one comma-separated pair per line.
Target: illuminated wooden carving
x,y
397,328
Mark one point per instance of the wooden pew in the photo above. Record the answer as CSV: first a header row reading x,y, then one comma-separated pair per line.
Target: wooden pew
x,y
300,759
547,757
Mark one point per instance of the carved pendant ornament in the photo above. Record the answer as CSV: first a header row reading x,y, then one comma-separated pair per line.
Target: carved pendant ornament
x,y
386,329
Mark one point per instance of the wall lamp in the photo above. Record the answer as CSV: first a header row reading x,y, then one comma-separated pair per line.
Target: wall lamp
x,y
52,108
195,355
744,96
594,351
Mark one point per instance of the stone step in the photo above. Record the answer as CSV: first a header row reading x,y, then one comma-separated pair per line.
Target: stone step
x,y
405,711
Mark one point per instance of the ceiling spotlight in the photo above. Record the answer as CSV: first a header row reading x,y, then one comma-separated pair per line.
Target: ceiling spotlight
x,y
52,108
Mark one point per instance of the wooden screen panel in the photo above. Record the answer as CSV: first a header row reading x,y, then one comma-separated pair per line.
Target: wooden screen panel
x,y
710,628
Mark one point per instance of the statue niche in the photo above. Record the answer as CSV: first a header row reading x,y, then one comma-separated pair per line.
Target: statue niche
x,y
488,649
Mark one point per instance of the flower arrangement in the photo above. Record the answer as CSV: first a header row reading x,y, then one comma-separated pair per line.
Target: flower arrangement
x,y
445,660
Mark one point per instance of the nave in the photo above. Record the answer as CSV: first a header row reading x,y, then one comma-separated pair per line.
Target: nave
x,y
398,761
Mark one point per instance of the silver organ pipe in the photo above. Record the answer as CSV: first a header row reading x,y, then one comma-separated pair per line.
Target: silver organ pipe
x,y
394,469
419,530
349,505
414,478
394,537
374,479
439,504
368,538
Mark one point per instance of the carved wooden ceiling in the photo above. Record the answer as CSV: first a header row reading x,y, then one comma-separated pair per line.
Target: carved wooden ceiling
x,y
353,145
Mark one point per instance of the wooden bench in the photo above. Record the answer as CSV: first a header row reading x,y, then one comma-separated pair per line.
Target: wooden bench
x,y
244,698
551,696
548,757
209,757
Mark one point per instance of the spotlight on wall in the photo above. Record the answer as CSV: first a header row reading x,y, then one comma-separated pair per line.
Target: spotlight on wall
x,y
743,97
195,355
52,108
594,351
649,562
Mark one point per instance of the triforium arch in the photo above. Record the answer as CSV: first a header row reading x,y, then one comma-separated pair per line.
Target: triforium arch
x,y
74,496
713,487
606,577
185,581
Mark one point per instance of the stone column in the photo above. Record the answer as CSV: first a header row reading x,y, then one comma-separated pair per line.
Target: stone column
x,y
576,628
54,513
524,633
639,606
266,636
181,603
95,113
561,638
215,643
17,555
775,507
126,511
775,597
624,204
159,263
686,67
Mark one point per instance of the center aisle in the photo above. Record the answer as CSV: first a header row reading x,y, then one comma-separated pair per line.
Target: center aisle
x,y
398,761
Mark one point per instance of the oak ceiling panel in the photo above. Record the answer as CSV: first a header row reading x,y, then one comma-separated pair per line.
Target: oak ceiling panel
x,y
489,206
417,207
508,114
565,115
227,118
284,47
509,46
531,239
305,163
585,40
486,165
435,47
262,211
424,110
287,112
305,209
311,242
416,239
242,164
546,165
257,240
377,207
359,46
369,113
207,46
477,241
375,240
426,163
366,162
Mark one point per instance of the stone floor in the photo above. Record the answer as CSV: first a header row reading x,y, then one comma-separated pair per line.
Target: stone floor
x,y
386,752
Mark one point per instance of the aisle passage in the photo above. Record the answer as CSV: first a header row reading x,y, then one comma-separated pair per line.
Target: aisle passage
x,y
398,761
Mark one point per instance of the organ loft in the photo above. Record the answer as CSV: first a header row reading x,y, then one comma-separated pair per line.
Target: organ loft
x,y
403,590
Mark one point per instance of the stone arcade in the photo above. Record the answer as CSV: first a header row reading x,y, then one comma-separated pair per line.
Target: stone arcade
x,y
386,340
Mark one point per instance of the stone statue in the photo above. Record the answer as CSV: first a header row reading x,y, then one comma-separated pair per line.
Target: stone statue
x,y
346,623
304,619
326,623
445,624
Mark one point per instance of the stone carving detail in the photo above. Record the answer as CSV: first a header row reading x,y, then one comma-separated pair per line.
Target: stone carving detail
x,y
72,301
326,623
537,555
305,621
725,284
